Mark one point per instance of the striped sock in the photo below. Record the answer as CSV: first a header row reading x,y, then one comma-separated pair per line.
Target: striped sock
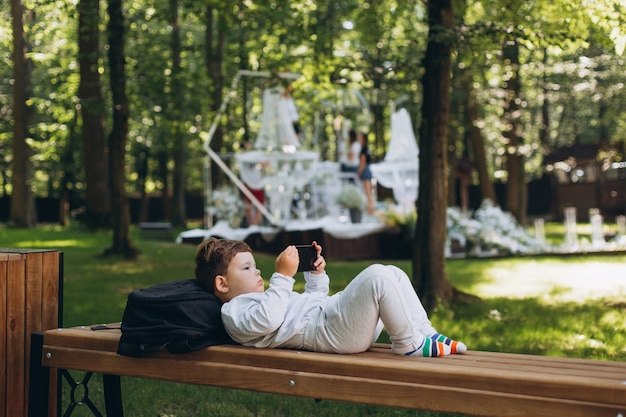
x,y
430,348
455,347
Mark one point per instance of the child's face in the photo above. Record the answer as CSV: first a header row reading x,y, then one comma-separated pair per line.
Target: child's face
x,y
242,276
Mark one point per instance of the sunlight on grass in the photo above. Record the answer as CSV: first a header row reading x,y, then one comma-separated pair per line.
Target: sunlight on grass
x,y
48,244
554,280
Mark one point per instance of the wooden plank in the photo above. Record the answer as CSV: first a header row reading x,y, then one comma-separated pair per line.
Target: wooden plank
x,y
536,363
4,265
440,371
22,283
558,368
16,295
84,338
10,255
51,275
33,283
588,381
324,386
5,259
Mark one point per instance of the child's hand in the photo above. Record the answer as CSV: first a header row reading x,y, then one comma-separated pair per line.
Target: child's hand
x,y
320,262
287,261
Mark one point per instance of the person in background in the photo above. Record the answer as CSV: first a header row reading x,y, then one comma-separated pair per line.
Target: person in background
x,y
351,162
291,110
364,172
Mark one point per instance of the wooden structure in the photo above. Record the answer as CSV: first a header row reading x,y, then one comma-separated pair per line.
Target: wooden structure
x,y
584,179
156,230
474,383
385,244
29,302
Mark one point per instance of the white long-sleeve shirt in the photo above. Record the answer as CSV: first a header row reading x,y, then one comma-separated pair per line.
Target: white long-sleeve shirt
x,y
354,155
279,316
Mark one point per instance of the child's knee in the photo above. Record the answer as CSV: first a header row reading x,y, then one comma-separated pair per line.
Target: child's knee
x,y
376,269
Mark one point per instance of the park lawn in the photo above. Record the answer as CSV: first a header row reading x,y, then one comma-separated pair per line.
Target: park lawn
x,y
528,305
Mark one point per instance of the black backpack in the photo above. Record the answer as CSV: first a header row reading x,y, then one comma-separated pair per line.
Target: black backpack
x,y
179,316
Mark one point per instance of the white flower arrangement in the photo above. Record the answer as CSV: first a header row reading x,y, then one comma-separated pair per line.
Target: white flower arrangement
x,y
226,204
489,230
351,198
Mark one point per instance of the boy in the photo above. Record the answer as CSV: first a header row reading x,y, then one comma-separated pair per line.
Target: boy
x,y
346,322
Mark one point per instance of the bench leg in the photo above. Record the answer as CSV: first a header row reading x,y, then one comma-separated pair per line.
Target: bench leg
x,y
79,394
113,395
39,379
39,387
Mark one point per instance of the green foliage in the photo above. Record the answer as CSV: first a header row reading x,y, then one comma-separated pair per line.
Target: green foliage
x,y
375,47
567,56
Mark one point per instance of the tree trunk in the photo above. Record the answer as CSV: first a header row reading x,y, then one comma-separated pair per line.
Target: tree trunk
x,y
178,209
475,138
453,201
68,174
163,170
544,126
516,184
22,212
429,275
120,214
141,167
215,39
243,65
97,194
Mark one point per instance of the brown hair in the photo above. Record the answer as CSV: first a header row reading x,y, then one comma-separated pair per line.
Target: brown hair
x,y
352,136
212,259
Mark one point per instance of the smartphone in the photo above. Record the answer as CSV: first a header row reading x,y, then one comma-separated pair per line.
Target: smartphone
x,y
308,255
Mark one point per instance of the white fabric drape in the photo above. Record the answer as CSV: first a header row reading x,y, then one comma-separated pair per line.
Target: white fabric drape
x,y
277,132
399,170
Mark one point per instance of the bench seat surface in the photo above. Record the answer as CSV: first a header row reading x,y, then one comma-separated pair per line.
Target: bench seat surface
x,y
474,383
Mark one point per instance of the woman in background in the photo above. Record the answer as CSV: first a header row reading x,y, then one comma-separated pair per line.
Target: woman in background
x,y
364,172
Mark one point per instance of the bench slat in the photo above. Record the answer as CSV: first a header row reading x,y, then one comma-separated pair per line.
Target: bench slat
x,y
477,383
323,386
535,363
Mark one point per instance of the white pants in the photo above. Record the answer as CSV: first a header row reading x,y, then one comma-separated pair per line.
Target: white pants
x,y
348,322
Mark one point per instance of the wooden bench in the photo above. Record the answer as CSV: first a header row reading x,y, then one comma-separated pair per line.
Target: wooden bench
x,y
156,230
475,383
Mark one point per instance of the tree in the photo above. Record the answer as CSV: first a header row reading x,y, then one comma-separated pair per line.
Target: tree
x,y
429,275
466,120
512,38
67,176
95,152
516,193
118,137
22,203
176,103
215,42
325,41
475,137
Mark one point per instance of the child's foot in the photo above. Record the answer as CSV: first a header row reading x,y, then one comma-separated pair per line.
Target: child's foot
x,y
455,346
431,348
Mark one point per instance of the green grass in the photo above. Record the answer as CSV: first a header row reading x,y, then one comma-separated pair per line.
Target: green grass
x,y
528,305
